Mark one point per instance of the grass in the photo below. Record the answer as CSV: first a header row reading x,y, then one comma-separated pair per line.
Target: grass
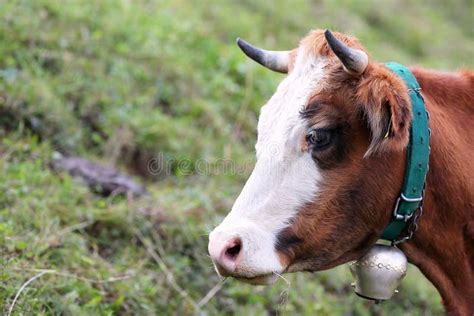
x,y
123,82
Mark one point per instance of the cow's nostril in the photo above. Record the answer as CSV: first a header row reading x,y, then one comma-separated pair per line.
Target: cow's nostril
x,y
234,247
233,252
226,253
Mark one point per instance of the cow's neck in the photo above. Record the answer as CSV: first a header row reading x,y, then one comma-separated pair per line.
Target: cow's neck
x,y
443,246
447,268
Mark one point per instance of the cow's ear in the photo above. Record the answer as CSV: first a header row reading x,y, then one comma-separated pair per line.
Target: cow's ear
x,y
386,106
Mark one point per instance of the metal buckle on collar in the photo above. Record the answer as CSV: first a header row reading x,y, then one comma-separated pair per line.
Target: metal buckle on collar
x,y
405,217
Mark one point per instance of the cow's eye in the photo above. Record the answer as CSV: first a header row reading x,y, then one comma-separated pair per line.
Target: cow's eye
x,y
319,139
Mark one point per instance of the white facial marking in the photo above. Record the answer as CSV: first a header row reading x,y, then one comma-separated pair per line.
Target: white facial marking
x,y
285,177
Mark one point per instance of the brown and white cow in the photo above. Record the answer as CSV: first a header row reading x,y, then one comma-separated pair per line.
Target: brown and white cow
x,y
331,153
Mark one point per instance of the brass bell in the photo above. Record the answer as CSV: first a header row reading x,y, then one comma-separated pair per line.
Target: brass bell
x,y
379,272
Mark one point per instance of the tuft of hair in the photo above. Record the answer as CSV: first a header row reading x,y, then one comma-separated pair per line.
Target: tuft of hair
x,y
384,100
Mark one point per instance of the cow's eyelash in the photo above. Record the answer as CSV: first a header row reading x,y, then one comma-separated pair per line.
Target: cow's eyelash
x,y
319,126
309,111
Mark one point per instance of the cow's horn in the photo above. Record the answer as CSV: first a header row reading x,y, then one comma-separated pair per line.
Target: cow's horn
x,y
274,60
354,60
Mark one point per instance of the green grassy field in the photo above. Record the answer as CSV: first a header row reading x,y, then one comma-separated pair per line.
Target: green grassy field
x,y
123,82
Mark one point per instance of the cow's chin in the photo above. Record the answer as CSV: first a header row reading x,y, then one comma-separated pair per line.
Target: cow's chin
x,y
266,279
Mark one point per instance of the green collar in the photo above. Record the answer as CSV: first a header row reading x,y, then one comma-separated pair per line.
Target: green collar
x,y
418,154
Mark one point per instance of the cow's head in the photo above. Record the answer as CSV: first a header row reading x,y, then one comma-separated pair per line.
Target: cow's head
x,y
329,164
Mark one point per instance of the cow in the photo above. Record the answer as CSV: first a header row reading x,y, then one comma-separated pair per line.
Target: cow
x,y
331,153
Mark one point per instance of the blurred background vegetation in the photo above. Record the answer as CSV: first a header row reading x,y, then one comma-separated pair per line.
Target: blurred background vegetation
x,y
121,82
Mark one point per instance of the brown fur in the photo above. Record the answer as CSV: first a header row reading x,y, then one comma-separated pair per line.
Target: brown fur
x,y
364,173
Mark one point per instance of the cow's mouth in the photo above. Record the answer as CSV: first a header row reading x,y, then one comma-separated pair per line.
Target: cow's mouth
x,y
264,279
